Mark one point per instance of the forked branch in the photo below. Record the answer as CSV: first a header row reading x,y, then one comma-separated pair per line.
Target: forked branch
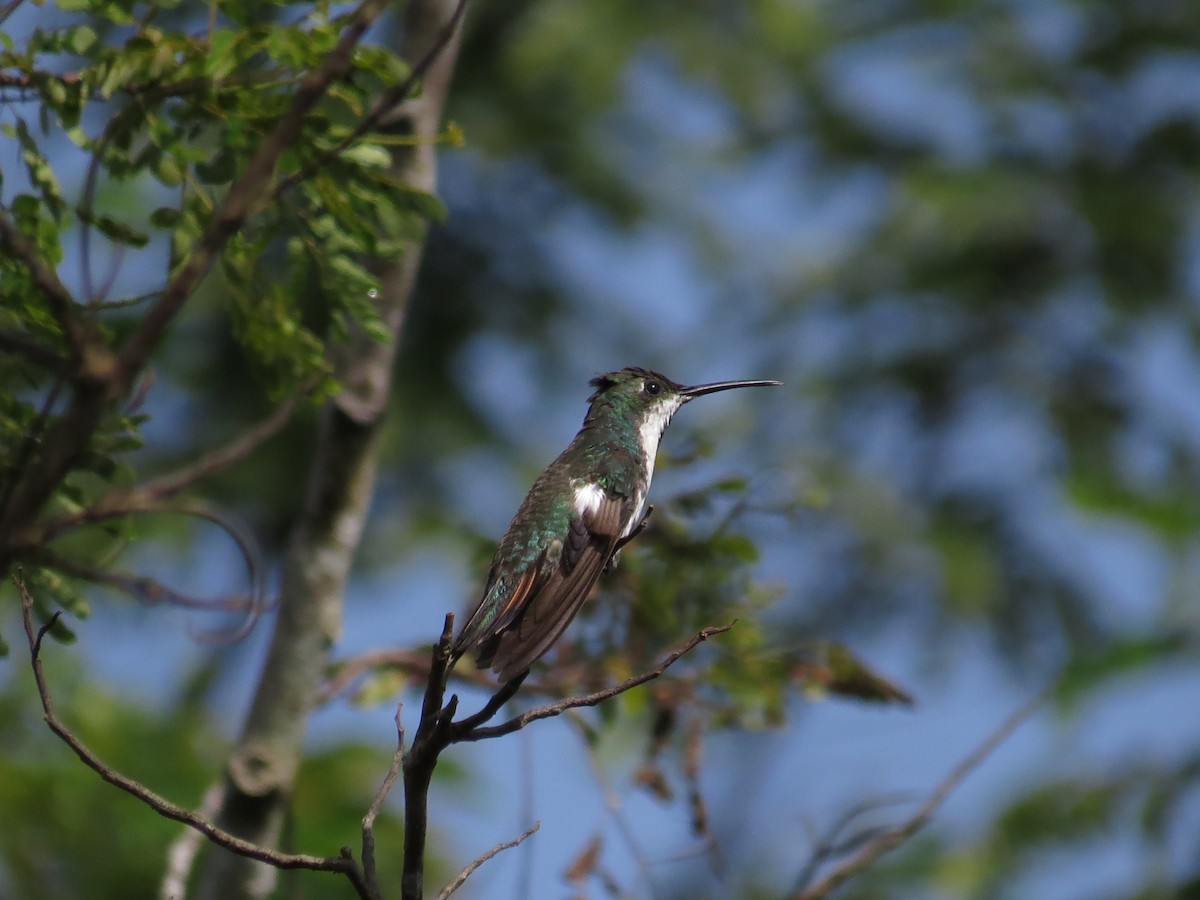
x,y
438,730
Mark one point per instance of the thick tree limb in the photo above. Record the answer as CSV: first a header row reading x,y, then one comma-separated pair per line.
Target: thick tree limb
x,y
343,864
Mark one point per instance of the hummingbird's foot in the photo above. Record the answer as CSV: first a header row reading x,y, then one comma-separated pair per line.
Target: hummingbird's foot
x,y
641,526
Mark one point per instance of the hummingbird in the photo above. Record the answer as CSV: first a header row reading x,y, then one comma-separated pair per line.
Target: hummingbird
x,y
579,513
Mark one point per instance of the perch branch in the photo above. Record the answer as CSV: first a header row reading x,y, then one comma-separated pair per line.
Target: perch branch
x,y
438,730
558,708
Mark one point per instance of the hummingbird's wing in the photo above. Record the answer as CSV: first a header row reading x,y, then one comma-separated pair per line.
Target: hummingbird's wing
x,y
549,593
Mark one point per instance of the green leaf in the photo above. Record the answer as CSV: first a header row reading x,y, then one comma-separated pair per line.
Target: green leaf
x,y
113,229
80,39
221,59
220,169
165,217
368,155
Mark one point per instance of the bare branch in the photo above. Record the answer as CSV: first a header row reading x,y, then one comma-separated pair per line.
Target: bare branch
x,y
230,454
384,105
33,546
560,707
888,840
438,730
343,864
149,496
142,588
484,857
833,845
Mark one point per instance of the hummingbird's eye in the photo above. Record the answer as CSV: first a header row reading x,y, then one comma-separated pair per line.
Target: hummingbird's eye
x,y
652,387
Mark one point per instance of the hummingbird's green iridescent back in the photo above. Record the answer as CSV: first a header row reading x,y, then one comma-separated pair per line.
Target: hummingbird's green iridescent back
x,y
579,512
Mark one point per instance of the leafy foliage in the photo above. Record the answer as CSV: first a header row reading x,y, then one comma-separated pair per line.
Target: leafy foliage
x,y
160,104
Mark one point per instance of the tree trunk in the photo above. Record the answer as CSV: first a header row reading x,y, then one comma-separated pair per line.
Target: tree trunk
x,y
263,766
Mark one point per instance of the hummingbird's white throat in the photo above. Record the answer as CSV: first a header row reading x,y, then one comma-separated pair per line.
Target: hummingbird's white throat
x,y
658,417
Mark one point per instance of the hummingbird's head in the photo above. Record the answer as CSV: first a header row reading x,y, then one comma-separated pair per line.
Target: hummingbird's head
x,y
649,399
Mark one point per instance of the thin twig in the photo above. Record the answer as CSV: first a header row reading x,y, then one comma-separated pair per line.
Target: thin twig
x,y
149,496
888,840
484,857
833,845
561,706
230,454
493,706
368,822
384,105
145,589
343,864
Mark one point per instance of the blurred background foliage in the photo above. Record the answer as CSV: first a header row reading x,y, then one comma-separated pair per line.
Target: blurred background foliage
x,y
966,237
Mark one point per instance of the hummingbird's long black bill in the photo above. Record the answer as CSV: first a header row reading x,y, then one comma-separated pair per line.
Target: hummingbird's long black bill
x,y
699,390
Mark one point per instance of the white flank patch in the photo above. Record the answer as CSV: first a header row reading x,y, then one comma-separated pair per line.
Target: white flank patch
x,y
588,498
